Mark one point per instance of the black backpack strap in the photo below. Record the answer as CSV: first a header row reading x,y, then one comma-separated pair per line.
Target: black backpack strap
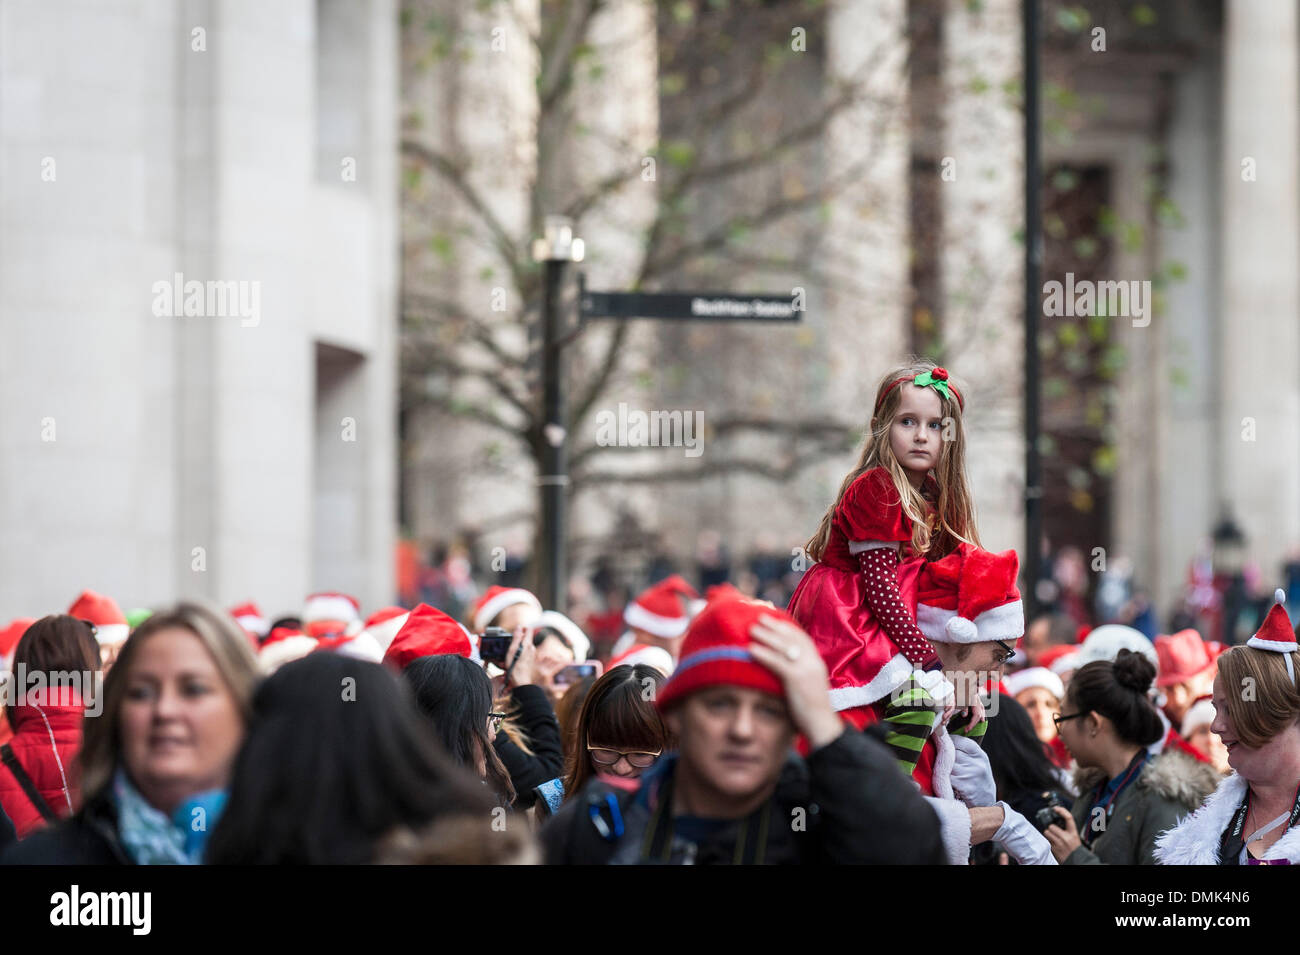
x,y
25,781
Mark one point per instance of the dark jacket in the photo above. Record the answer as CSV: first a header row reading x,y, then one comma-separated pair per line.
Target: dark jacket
x,y
88,837
1170,786
847,803
535,717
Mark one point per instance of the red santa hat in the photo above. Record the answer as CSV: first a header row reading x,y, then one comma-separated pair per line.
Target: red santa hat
x,y
12,633
1031,678
578,641
1276,635
1060,658
1201,713
331,612
384,624
429,632
661,611
361,646
109,621
496,599
250,618
716,652
983,606
656,657
283,645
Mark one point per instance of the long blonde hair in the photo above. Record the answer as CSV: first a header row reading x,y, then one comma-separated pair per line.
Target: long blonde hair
x,y
955,507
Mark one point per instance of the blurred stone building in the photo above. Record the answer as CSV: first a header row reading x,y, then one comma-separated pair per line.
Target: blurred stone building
x,y
235,440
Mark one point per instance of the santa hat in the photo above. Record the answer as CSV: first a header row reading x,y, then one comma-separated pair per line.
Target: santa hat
x,y
1059,659
716,652
362,646
331,605
1276,635
656,657
1200,713
1105,643
1182,656
103,612
12,633
428,632
558,622
283,646
251,619
496,599
970,596
722,591
659,610
384,624
1028,679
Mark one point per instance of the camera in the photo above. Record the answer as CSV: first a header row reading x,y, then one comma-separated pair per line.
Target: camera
x,y
1047,815
494,644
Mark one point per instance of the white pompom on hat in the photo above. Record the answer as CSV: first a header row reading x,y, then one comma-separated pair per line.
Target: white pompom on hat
x,y
970,596
1034,677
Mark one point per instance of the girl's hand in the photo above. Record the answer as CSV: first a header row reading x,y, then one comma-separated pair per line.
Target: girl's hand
x,y
522,659
788,652
1063,841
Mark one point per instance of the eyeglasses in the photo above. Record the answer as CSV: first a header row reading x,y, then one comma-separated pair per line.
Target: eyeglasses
x,y
1058,719
1011,652
494,721
608,757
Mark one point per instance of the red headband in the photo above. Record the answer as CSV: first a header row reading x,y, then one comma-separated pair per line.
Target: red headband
x,y
936,378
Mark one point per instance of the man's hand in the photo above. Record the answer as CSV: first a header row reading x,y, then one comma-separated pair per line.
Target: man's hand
x,y
788,652
521,659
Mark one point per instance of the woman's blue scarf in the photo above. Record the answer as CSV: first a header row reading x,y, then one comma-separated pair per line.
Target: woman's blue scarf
x,y
150,837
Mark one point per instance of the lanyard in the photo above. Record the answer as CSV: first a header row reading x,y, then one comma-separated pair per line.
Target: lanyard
x,y
1231,845
1130,774
659,844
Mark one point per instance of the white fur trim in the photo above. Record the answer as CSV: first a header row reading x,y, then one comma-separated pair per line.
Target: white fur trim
x,y
891,677
954,828
1200,713
1034,677
945,757
1275,646
959,630
1006,622
363,647
656,657
1064,663
328,607
636,616
386,630
931,620
861,547
1195,840
507,598
272,657
111,633
253,623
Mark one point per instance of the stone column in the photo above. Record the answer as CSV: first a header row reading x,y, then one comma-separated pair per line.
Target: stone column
x,y
1259,339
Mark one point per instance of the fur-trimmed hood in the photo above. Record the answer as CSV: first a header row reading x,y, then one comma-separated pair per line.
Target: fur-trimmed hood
x,y
1173,775
1195,841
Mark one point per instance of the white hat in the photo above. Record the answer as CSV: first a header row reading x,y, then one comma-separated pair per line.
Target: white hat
x,y
1106,641
578,640
656,657
1028,679
1065,663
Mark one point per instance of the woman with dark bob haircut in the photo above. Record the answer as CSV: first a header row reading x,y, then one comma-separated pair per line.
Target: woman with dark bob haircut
x,y
620,732
337,765
455,695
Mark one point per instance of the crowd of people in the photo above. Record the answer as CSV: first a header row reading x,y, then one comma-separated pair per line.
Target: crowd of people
x,y
897,711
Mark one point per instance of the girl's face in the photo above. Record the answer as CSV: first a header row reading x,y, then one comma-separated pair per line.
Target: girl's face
x,y
1041,706
916,435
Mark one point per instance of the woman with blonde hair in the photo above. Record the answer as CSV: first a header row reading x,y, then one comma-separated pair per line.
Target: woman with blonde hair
x,y
156,763
1251,818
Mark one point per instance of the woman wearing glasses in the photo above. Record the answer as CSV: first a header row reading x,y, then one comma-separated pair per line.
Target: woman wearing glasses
x,y
620,732
1127,795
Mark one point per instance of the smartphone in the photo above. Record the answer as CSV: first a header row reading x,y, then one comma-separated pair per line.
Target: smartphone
x,y
576,673
494,644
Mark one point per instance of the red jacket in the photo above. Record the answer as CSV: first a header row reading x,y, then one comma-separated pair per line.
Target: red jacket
x,y
46,741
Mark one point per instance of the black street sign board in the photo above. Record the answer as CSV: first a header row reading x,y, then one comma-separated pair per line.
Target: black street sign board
x,y
706,306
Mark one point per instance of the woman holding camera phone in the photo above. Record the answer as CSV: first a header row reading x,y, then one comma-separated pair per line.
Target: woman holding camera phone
x,y
1127,796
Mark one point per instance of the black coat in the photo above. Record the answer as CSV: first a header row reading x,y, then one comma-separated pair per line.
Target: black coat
x,y
88,837
536,718
847,803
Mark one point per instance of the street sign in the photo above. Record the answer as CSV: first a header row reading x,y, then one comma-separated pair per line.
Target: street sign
x,y
706,306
